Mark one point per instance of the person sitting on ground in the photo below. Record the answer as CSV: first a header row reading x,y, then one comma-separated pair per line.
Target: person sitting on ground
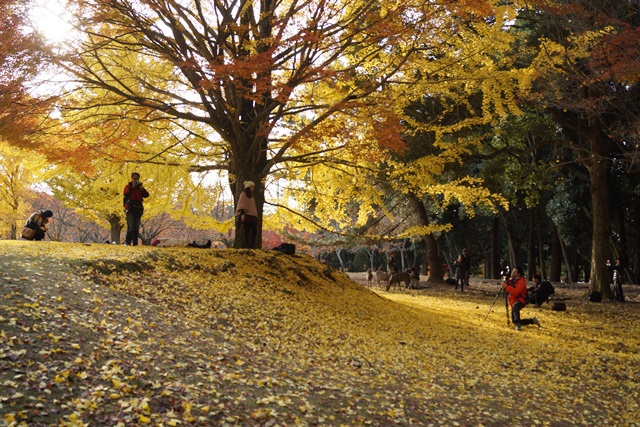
x,y
540,291
38,221
516,287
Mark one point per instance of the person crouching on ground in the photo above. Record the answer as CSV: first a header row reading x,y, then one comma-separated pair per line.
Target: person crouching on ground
x,y
540,291
38,221
516,287
247,215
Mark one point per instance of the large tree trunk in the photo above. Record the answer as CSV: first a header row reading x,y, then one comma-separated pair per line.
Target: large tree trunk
x,y
259,197
116,226
599,187
253,168
433,253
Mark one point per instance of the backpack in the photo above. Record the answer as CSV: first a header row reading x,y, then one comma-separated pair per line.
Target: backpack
x,y
125,199
286,248
30,227
595,296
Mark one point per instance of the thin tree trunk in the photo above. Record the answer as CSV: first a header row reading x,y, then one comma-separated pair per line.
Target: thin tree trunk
x,y
567,261
543,270
510,242
555,268
342,264
531,247
495,250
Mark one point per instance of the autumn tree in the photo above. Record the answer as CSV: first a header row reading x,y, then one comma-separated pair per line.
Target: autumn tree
x,y
463,84
19,171
98,194
257,78
21,59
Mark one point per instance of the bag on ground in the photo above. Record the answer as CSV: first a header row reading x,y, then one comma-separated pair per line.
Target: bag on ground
x,y
595,296
286,248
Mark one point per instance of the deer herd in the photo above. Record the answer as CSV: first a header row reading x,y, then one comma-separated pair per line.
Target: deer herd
x,y
410,278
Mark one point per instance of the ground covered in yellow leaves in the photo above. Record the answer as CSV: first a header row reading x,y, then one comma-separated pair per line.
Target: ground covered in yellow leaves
x,y
107,335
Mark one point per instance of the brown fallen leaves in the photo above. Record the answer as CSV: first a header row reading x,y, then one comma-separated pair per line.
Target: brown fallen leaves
x,y
116,336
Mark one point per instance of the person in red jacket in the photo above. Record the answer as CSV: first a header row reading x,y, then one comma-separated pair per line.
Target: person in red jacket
x,y
134,193
516,287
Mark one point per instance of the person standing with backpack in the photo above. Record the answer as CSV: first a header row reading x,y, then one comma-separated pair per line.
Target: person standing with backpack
x,y
516,287
134,193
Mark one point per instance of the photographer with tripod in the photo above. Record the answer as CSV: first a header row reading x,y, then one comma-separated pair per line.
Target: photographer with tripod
x,y
516,287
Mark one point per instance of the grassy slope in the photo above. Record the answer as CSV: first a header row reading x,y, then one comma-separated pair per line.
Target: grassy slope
x,y
108,334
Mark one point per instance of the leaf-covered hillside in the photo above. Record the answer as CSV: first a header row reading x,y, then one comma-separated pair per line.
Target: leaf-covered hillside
x,y
107,335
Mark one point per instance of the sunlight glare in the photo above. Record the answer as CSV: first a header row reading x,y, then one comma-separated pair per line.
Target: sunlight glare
x,y
51,19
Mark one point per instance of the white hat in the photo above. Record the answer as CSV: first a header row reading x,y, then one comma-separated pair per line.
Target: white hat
x,y
248,184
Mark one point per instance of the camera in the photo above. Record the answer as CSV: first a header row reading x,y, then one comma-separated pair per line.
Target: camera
x,y
506,274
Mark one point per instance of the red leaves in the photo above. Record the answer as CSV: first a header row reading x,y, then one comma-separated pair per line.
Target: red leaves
x,y
21,53
617,56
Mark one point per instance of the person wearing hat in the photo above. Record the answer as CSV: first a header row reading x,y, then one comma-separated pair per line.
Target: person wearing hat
x,y
38,222
247,215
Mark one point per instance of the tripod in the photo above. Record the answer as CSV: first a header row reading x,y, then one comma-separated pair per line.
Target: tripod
x,y
506,304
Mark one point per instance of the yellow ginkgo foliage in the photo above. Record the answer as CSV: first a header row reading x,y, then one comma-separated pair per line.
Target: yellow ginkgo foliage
x,y
174,336
19,172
